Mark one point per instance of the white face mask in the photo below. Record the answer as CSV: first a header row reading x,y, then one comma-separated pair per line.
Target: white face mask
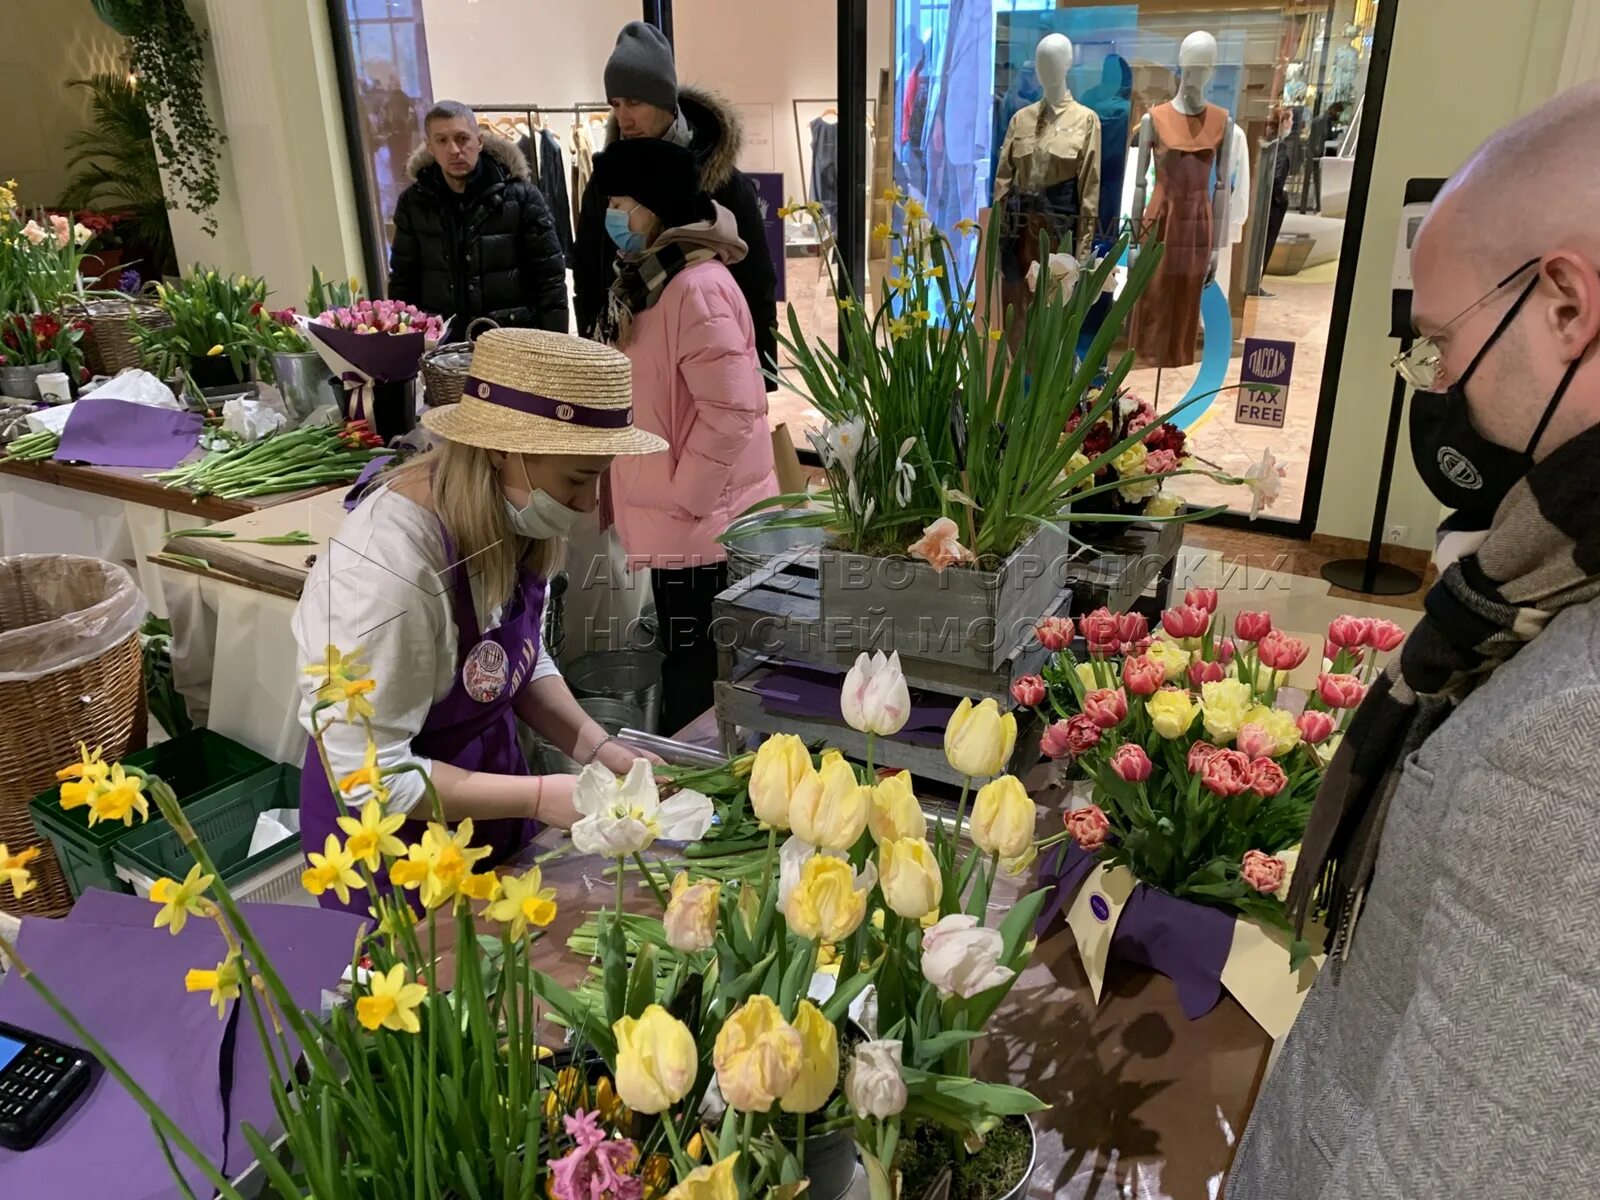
x,y
543,517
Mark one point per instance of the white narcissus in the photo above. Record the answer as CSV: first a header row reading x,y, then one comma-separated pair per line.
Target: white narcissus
x,y
875,697
961,958
623,816
874,1085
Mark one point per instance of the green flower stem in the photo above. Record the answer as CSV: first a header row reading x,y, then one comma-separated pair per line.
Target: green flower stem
x,y
767,873
871,775
680,1160
650,878
961,813
888,1136
800,1142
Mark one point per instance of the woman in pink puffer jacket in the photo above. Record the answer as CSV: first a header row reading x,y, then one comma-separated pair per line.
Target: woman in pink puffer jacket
x,y
678,315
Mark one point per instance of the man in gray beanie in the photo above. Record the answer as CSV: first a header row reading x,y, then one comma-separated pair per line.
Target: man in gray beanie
x,y
646,102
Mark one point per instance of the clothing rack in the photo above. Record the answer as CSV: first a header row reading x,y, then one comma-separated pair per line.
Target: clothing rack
x,y
528,110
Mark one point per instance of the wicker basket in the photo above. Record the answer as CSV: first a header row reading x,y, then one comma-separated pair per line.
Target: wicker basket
x,y
444,369
70,672
108,346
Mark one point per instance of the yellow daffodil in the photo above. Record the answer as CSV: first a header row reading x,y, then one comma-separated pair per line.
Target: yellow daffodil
x,y
788,210
393,1003
179,900
372,835
967,226
819,1061
898,260
14,870
214,351
483,887
333,869
337,670
882,230
366,776
119,798
656,1060
356,704
922,315
847,304
995,335
222,983
978,740
709,1183
933,273
613,1112
892,195
757,1055
82,780
895,284
568,1092
899,328
439,864
915,211
814,207
524,901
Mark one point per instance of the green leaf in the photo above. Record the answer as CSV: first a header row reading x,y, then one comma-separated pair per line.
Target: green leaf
x,y
998,1099
838,1004
878,1184
930,1049
613,947
577,1015
642,981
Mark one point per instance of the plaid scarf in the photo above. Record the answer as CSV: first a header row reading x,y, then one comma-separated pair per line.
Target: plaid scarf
x,y
639,283
1541,555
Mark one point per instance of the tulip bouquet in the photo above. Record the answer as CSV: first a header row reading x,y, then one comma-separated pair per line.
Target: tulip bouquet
x,y
1203,773
371,344
214,317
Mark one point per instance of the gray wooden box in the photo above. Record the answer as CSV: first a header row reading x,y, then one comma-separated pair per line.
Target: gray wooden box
x,y
961,616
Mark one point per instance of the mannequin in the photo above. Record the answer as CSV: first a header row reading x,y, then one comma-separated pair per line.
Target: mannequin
x,y
1190,144
1047,184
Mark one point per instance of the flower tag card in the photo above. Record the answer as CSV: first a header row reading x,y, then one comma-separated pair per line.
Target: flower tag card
x,y
1093,919
1257,975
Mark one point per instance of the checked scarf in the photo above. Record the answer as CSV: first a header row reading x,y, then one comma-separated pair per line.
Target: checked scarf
x,y
639,283
1540,555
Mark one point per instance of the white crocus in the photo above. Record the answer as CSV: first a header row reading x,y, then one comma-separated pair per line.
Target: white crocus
x,y
845,441
623,816
904,473
874,1085
1265,481
961,958
875,697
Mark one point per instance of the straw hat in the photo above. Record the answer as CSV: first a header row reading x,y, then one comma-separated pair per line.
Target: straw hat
x,y
533,392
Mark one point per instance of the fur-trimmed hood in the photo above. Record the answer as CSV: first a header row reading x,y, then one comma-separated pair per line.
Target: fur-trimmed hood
x,y
718,135
501,149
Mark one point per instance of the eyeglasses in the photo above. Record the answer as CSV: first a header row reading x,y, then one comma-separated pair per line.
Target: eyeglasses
x,y
1422,366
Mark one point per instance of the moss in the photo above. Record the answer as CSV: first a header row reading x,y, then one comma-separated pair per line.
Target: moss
x,y
986,1175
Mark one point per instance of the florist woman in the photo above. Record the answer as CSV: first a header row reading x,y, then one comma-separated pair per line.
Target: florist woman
x,y
439,577
680,317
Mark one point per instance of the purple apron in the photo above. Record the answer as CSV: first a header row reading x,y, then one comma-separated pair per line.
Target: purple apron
x,y
474,727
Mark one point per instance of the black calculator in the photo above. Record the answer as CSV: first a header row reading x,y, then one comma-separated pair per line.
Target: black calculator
x,y
39,1081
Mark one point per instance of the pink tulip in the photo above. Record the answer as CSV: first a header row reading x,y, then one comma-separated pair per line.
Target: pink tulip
x,y
1199,755
1055,633
1186,621
1205,598
1226,773
1088,827
1101,629
1106,707
1082,734
1347,632
1252,626
1340,691
1029,691
1384,635
1132,763
1135,649
1316,726
1262,871
1143,676
1225,650
1055,744
1281,652
1206,672
1132,627
1267,777
1254,741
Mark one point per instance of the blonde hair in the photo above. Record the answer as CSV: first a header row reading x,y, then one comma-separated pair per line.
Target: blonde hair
x,y
464,486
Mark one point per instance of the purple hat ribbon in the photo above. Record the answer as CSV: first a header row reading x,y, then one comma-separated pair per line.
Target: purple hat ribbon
x,y
544,406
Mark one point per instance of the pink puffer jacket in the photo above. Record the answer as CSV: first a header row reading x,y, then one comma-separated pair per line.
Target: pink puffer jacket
x,y
696,382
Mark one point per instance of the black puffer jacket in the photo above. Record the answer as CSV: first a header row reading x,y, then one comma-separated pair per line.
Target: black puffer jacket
x,y
718,137
490,251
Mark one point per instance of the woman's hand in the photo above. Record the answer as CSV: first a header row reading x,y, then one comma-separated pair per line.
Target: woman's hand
x,y
618,758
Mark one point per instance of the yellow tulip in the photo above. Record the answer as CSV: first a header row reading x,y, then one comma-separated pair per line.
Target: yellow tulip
x,y
179,900
758,1055
14,870
1171,712
332,870
780,764
979,740
709,1183
373,834
912,883
393,1002
1225,703
826,903
222,983
656,1060
214,351
896,812
1002,818
691,917
1280,724
524,901
1174,659
829,808
819,1068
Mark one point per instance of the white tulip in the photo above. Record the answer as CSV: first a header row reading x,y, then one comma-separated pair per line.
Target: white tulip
x,y
961,958
873,1084
623,816
875,698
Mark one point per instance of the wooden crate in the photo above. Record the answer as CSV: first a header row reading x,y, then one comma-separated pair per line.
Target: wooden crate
x,y
959,617
1124,567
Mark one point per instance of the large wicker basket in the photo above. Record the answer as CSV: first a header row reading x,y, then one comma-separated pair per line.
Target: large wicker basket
x,y
70,672
108,346
444,369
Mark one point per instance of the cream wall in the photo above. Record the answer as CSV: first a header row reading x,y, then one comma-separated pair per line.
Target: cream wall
x,y
45,43
1460,70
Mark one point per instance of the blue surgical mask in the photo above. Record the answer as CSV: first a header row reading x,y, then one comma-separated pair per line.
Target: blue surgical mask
x,y
627,240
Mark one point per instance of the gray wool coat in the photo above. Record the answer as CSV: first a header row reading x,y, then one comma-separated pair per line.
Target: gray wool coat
x,y
1458,1055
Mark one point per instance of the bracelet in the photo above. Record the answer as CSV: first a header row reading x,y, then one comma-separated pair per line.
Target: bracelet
x,y
598,746
538,797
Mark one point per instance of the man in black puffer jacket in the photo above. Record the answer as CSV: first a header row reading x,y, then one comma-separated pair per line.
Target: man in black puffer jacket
x,y
642,86
472,234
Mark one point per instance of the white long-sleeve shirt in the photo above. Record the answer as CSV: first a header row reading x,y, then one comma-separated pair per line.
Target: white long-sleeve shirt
x,y
382,585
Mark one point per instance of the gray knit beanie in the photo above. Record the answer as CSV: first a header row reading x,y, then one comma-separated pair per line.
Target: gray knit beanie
x,y
641,67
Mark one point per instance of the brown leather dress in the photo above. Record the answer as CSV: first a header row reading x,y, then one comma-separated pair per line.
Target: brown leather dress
x,y
1166,322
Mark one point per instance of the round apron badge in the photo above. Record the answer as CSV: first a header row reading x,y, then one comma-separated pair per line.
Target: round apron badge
x,y
484,672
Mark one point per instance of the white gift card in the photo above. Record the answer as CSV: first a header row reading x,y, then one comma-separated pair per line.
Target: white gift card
x,y
1093,918
1257,975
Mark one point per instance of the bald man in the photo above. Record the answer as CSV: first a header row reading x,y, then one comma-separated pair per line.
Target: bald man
x,y
1451,1045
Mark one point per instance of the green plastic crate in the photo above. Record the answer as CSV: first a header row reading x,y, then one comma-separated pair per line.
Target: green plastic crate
x,y
223,821
195,764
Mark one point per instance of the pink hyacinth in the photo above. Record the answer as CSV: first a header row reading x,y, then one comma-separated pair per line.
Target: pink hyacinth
x,y
595,1167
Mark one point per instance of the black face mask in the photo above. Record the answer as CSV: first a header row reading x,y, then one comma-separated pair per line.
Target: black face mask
x,y
1464,470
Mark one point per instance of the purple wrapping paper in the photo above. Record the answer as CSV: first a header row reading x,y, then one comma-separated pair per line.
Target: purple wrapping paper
x,y
125,981
120,433
1187,942
371,471
807,691
382,357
